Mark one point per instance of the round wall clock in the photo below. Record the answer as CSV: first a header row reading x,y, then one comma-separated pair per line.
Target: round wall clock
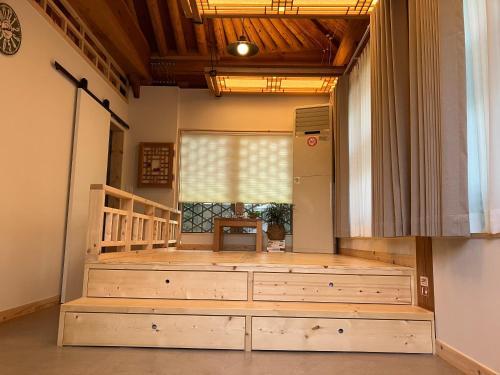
x,y
10,30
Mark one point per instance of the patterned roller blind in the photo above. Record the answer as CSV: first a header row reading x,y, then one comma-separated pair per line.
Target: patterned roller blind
x,y
236,167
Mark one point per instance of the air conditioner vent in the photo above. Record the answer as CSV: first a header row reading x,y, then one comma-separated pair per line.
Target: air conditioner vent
x,y
312,119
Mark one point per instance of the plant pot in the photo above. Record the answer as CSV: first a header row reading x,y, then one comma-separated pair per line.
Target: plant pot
x,y
276,232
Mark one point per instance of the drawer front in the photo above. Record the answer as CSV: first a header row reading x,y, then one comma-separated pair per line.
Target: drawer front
x,y
357,335
167,284
332,288
163,331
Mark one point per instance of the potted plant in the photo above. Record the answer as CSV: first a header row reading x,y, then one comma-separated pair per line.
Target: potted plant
x,y
276,215
253,214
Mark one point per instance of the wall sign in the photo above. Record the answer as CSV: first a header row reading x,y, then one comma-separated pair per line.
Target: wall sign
x,y
312,141
10,30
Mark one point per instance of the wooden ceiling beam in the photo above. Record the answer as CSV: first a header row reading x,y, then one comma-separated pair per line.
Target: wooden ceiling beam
x,y
296,30
220,38
336,27
113,23
157,23
353,34
196,65
275,34
131,7
201,38
238,26
290,38
175,19
229,31
252,34
263,34
313,32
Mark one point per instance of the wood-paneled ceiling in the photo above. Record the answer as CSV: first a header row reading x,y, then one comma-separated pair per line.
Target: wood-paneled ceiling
x,y
156,44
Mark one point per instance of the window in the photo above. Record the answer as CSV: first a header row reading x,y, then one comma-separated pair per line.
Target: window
x,y
482,30
218,169
199,217
360,177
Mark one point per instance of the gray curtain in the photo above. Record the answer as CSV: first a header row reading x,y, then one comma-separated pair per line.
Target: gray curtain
x,y
439,200
340,97
390,119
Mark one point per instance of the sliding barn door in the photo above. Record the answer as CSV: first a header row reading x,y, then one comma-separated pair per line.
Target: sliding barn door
x,y
89,166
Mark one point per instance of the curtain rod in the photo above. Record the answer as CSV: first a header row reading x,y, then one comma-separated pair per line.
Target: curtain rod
x,y
83,84
357,52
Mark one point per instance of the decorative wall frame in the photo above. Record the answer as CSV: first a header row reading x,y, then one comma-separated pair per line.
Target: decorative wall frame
x,y
156,161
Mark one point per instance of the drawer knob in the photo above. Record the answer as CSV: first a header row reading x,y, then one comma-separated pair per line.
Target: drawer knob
x,y
154,326
340,330
167,281
330,284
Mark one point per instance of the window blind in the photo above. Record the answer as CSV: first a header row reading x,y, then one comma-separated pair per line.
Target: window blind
x,y
236,167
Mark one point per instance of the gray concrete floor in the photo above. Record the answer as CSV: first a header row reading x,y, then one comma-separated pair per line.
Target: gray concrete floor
x,y
28,346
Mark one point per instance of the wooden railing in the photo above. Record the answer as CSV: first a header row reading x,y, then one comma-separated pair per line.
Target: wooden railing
x,y
120,221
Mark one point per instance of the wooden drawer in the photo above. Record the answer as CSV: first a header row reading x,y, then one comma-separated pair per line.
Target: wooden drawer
x,y
332,288
357,335
167,284
149,330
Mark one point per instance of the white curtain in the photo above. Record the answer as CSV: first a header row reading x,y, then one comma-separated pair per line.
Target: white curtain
x,y
482,46
236,167
360,168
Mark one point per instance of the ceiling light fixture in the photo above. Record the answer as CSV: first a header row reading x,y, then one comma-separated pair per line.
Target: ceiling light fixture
x,y
243,47
198,9
272,81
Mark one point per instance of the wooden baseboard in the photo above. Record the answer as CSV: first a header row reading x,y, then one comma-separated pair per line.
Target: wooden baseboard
x,y
401,260
461,361
29,308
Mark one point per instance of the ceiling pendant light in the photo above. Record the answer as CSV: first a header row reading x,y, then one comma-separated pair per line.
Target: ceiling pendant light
x,y
242,47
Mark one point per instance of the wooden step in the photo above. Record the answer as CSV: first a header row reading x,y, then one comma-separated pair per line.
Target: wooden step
x,y
261,308
246,325
248,261
249,276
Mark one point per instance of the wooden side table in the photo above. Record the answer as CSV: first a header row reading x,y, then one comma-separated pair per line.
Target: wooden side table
x,y
221,222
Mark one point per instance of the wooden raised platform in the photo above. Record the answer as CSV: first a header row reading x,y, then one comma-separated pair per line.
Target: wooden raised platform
x,y
247,300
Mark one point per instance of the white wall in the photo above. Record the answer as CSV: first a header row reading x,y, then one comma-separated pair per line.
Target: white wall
x,y
200,110
37,105
467,296
153,118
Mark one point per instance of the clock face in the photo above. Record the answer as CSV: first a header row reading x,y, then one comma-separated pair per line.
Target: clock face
x,y
10,30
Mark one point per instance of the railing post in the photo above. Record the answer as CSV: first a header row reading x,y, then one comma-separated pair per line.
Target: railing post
x,y
166,216
179,229
95,223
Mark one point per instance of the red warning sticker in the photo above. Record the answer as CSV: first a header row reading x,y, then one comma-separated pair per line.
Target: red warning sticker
x,y
312,141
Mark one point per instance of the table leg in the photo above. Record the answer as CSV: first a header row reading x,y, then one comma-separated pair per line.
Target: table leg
x,y
258,238
221,237
216,242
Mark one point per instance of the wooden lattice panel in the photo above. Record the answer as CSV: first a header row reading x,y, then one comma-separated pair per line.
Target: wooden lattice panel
x,y
274,84
155,165
213,8
65,20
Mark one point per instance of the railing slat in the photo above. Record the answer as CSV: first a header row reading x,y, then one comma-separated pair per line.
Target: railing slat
x,y
108,223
